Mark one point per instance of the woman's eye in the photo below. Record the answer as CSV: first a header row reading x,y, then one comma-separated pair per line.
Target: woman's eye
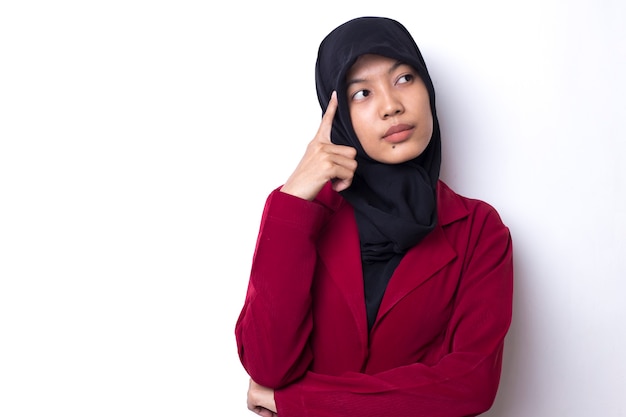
x,y
405,78
360,95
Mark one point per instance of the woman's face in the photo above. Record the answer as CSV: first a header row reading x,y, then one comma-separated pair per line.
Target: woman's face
x,y
389,108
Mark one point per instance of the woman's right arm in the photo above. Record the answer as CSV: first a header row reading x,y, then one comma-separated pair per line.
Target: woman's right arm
x,y
275,323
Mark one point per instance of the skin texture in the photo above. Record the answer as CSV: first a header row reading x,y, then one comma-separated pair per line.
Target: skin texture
x,y
261,400
323,161
382,94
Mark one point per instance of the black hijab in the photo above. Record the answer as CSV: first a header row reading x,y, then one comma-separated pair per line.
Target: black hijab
x,y
395,205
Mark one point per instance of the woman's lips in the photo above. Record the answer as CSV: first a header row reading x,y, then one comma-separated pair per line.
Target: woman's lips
x,y
398,133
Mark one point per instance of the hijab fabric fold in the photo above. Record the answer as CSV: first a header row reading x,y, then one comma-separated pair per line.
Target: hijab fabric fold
x,y
394,205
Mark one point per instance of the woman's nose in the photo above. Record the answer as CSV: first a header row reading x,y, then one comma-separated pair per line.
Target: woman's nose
x,y
390,105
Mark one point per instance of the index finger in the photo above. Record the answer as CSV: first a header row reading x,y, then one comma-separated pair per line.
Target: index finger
x,y
327,120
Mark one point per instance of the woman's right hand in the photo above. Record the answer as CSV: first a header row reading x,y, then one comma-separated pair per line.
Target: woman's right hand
x,y
323,161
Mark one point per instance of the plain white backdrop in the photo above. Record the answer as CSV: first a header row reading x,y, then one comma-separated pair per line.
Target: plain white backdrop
x,y
138,141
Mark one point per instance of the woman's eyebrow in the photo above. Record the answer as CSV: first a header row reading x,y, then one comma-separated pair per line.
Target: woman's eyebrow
x,y
355,81
361,80
395,66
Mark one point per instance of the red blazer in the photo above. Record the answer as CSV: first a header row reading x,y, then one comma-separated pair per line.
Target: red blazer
x,y
436,346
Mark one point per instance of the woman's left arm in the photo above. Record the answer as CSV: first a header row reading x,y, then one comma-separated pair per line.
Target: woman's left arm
x,y
261,400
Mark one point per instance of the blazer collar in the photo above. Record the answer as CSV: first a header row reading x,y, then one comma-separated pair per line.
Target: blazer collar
x,y
419,264
340,252
450,206
428,257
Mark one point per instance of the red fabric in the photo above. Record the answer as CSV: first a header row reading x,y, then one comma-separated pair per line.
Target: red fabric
x,y
436,346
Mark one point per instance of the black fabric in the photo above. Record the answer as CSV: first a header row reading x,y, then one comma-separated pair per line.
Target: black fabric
x,y
376,276
395,205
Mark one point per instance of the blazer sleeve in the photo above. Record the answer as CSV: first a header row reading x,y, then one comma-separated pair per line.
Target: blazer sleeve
x,y
464,382
275,323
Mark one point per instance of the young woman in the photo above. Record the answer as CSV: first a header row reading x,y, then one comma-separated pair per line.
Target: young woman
x,y
375,290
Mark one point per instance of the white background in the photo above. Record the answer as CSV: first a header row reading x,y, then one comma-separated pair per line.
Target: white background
x,y
140,138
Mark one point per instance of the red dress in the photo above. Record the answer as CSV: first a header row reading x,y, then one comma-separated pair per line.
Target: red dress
x,y
436,346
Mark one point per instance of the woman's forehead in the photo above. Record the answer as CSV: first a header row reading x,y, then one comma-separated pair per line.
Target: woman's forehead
x,y
367,62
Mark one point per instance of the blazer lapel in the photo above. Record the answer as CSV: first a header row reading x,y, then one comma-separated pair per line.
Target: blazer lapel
x,y
339,250
418,265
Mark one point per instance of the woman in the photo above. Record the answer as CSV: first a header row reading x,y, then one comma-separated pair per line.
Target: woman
x,y
375,290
